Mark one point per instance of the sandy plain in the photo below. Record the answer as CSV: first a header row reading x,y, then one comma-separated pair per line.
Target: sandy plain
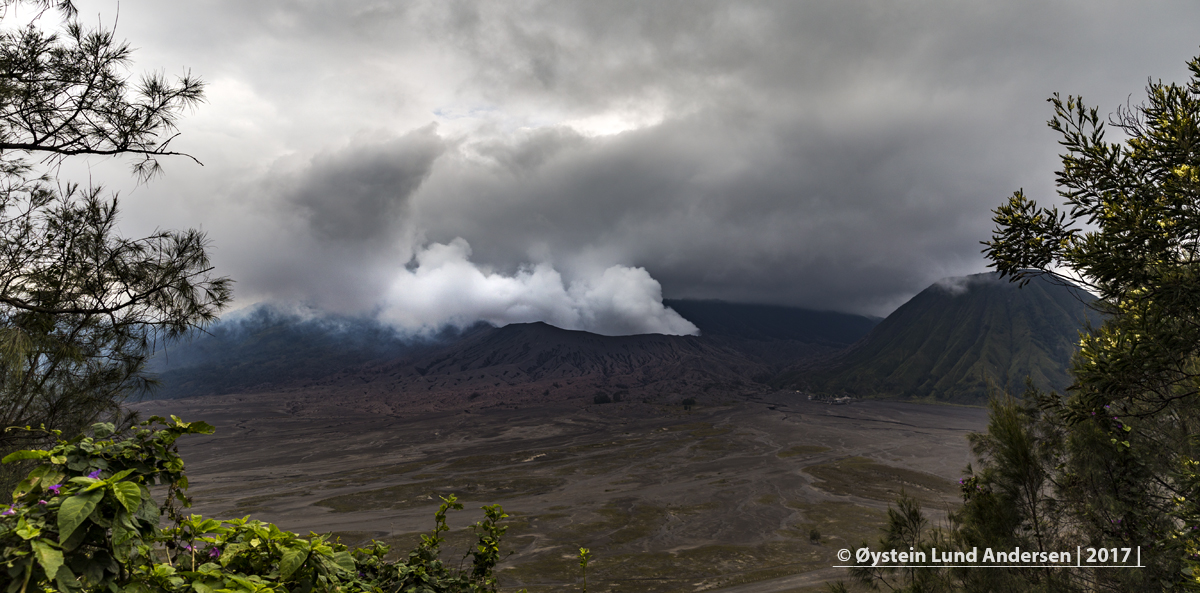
x,y
722,497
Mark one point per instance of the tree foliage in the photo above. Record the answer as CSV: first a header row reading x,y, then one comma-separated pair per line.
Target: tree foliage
x,y
85,520
82,308
1112,463
68,93
907,529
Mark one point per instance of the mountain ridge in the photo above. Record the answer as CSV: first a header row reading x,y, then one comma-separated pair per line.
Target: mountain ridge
x,y
258,351
944,344
960,337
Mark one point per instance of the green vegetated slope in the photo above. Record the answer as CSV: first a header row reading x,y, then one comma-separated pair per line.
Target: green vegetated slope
x,y
949,341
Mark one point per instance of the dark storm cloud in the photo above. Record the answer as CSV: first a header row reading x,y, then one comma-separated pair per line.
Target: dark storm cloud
x,y
831,155
354,206
837,155
768,210
360,193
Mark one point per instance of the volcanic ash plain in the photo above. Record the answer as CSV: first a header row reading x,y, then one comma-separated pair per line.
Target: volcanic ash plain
x,y
730,495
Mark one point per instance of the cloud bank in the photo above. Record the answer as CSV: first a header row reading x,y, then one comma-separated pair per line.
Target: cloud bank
x,y
595,154
360,204
444,287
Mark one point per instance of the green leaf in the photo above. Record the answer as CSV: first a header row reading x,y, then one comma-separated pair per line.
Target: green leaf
x,y
293,558
74,511
52,475
121,536
90,483
162,570
49,557
22,455
344,561
119,476
26,485
101,519
66,580
148,511
125,518
76,538
103,429
26,531
230,552
128,494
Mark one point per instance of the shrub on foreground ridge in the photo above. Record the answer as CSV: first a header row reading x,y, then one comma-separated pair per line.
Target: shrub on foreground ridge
x,y
85,520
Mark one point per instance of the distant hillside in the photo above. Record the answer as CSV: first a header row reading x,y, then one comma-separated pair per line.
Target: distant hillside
x,y
538,351
531,362
773,322
775,335
266,347
947,342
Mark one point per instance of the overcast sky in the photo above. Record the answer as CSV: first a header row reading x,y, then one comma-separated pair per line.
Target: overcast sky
x,y
575,162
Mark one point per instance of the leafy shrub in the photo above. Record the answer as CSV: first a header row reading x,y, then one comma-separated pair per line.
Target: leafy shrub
x,y
601,398
85,520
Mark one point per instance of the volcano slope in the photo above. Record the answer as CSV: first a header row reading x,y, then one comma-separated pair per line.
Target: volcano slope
x,y
960,338
725,494
268,349
535,364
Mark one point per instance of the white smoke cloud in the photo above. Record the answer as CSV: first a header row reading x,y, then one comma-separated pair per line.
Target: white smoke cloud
x,y
956,286
445,287
959,285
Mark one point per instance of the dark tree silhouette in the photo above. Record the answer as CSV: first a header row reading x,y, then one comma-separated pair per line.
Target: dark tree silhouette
x,y
82,308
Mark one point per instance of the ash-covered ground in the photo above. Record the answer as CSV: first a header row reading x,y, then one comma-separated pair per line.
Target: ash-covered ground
x,y
722,497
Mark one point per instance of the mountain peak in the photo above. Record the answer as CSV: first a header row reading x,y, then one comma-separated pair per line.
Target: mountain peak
x,y
960,336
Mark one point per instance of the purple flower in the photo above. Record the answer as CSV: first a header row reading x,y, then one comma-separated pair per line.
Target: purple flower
x,y
41,502
189,548
55,488
95,474
12,510
213,553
